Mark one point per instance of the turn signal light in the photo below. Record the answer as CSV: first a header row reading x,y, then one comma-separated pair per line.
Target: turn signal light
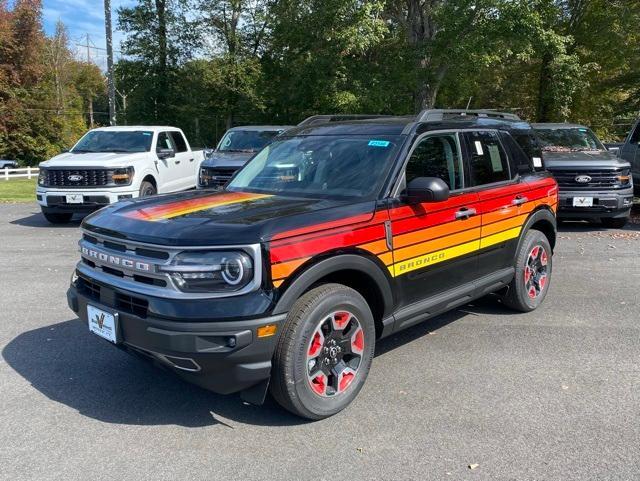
x,y
623,179
267,331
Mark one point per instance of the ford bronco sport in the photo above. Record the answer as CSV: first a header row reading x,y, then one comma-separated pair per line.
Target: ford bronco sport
x,y
338,234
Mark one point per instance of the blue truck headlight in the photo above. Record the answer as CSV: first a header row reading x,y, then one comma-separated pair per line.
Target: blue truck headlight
x,y
211,271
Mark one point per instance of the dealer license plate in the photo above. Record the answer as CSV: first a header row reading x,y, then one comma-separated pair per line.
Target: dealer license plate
x,y
583,201
74,199
102,323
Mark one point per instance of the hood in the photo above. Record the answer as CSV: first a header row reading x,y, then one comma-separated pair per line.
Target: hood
x,y
227,159
601,159
94,159
217,218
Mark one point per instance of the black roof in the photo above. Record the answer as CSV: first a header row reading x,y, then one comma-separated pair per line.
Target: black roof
x,y
399,125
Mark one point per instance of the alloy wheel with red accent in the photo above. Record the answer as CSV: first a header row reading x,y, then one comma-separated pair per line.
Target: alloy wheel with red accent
x,y
335,353
535,271
324,352
533,266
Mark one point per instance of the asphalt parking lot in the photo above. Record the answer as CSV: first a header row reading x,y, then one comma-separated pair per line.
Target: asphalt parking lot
x,y
480,393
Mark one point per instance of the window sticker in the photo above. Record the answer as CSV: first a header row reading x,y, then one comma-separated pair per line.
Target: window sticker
x,y
379,143
537,162
148,134
496,161
582,130
479,150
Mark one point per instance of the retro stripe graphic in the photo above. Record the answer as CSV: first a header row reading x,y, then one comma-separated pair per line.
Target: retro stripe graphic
x,y
418,240
183,207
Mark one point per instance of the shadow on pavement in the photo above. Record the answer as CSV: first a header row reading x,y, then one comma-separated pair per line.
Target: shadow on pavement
x,y
38,220
71,366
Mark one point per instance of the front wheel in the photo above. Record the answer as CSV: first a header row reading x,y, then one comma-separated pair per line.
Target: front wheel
x,y
533,266
147,189
324,352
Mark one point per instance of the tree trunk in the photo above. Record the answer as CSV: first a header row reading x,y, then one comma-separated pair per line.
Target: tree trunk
x,y
545,101
162,81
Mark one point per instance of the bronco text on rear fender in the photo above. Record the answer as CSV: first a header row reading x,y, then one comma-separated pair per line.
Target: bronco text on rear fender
x,y
339,233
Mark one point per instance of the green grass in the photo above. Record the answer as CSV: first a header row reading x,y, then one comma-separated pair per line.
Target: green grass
x,y
18,190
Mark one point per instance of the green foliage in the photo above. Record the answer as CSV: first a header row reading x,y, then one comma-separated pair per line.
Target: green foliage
x,y
43,89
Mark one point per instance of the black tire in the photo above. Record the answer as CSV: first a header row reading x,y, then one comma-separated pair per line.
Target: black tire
x,y
294,365
614,222
58,218
531,282
147,189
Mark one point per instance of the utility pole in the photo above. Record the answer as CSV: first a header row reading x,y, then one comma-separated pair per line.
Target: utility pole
x,y
110,80
91,121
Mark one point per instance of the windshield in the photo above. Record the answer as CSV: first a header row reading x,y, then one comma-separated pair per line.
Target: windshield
x,y
246,140
568,140
114,141
320,166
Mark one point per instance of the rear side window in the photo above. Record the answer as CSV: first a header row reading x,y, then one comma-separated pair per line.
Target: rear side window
x,y
178,140
165,142
489,162
436,156
522,163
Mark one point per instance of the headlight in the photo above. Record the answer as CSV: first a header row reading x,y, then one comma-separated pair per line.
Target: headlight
x,y
122,176
624,177
42,176
211,271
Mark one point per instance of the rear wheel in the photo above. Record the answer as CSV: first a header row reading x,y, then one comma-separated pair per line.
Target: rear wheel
x,y
614,222
147,189
533,266
58,218
324,353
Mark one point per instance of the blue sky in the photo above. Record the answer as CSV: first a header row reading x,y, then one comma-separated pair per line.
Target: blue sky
x,y
82,17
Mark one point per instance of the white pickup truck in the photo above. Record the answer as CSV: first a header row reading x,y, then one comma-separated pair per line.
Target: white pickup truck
x,y
110,164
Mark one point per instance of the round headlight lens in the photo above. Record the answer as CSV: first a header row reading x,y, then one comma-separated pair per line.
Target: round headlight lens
x,y
211,271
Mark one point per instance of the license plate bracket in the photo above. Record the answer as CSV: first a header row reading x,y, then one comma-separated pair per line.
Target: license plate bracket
x,y
583,201
103,323
74,198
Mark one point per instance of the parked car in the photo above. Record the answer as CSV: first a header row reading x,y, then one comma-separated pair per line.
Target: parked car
x,y
8,164
235,148
630,152
330,238
110,164
594,183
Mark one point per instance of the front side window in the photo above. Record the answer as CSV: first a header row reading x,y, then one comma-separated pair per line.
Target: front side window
x,y
114,141
165,142
437,155
489,162
246,140
578,139
327,166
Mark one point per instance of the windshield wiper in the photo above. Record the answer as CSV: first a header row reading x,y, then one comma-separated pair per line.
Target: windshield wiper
x,y
82,151
248,151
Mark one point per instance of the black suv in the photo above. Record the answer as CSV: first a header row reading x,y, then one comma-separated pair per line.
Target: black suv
x,y
340,233
594,183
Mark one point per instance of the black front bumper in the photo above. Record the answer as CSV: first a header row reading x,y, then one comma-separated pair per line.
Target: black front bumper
x,y
222,356
605,204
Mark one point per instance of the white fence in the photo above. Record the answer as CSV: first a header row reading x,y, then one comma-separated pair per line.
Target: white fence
x,y
28,172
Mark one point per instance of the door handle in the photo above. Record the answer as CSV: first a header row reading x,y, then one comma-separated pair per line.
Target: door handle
x,y
177,161
519,200
465,213
191,159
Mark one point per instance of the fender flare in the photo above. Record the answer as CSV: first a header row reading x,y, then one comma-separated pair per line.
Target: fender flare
x,y
304,280
541,214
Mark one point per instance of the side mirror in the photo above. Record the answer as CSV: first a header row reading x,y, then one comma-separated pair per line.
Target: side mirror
x,y
427,189
165,153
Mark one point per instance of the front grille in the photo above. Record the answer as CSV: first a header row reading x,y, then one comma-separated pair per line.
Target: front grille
x,y
86,199
600,179
133,305
216,176
77,177
88,288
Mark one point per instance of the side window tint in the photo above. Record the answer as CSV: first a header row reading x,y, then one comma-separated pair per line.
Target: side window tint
x,y
437,156
164,142
178,140
489,161
521,161
635,137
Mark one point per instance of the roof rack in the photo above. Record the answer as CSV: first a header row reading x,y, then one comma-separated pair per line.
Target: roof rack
x,y
320,119
431,115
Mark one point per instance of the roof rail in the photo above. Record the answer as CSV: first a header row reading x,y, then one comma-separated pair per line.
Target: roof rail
x,y
320,119
442,114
